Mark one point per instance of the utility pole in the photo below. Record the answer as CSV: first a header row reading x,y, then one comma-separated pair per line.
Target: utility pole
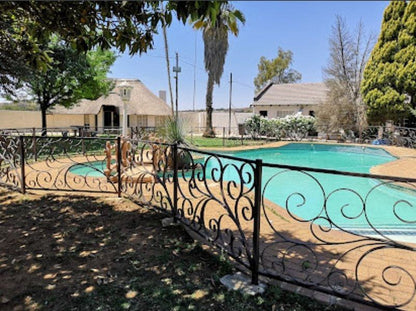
x,y
176,69
229,107
193,100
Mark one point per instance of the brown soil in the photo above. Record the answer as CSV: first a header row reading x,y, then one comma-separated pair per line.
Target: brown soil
x,y
103,253
54,249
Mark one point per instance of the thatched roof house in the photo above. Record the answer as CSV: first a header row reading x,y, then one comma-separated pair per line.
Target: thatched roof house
x,y
279,100
144,109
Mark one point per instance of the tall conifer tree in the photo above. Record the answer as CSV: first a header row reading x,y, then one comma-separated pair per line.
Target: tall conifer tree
x,y
382,91
406,56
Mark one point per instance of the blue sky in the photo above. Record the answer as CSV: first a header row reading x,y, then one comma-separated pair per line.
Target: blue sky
x,y
303,27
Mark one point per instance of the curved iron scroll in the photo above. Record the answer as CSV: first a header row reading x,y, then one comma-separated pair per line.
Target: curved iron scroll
x,y
10,161
334,239
391,135
217,208
66,164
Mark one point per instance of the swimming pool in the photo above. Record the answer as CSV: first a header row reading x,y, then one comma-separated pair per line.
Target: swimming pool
x,y
90,169
352,203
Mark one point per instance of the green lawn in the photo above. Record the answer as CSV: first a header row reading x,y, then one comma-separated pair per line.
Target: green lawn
x,y
203,142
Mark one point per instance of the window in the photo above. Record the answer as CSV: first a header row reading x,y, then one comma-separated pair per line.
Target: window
x,y
86,121
263,113
159,121
283,113
142,121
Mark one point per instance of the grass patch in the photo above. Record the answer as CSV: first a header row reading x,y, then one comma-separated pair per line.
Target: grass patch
x,y
204,142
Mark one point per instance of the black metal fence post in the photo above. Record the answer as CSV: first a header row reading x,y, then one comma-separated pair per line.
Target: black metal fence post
x,y
119,166
223,136
175,180
83,145
22,164
35,153
256,222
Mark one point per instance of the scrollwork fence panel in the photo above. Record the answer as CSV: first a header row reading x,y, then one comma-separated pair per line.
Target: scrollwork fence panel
x,y
347,234
213,195
68,164
148,174
390,135
10,162
352,235
216,200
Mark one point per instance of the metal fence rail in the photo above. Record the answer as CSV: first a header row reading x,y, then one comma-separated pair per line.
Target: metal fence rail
x,y
246,208
391,135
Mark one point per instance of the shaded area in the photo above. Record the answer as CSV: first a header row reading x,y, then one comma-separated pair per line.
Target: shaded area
x,y
87,253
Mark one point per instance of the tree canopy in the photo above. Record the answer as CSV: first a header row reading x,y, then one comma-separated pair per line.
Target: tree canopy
x,y
125,25
389,84
71,77
276,70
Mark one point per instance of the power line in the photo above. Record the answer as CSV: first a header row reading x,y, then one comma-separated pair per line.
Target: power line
x,y
244,84
193,65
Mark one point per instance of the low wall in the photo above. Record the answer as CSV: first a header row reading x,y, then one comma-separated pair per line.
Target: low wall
x,y
20,119
29,119
195,121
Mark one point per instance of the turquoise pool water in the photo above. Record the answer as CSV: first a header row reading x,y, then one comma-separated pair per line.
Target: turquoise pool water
x,y
90,169
349,202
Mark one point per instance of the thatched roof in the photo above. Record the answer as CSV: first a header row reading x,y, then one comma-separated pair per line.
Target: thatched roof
x,y
291,94
142,102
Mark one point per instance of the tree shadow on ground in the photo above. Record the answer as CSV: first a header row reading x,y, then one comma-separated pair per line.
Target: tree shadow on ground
x,y
87,253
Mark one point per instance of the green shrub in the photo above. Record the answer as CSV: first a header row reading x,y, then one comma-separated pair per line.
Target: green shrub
x,y
294,127
173,131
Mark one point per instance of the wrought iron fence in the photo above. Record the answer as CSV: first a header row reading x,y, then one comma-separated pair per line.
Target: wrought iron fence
x,y
390,135
79,131
315,232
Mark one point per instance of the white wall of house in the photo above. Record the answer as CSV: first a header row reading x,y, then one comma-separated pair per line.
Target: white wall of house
x,y
100,118
282,111
139,121
89,119
155,121
195,121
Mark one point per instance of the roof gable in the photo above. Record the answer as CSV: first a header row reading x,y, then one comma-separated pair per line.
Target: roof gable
x,y
142,102
291,94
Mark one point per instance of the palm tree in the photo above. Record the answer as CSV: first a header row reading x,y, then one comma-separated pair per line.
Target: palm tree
x,y
215,30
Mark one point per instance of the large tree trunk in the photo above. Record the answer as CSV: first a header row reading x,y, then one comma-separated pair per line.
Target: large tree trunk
x,y
209,131
44,128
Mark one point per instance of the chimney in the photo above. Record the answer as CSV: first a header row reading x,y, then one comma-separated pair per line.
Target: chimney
x,y
162,95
